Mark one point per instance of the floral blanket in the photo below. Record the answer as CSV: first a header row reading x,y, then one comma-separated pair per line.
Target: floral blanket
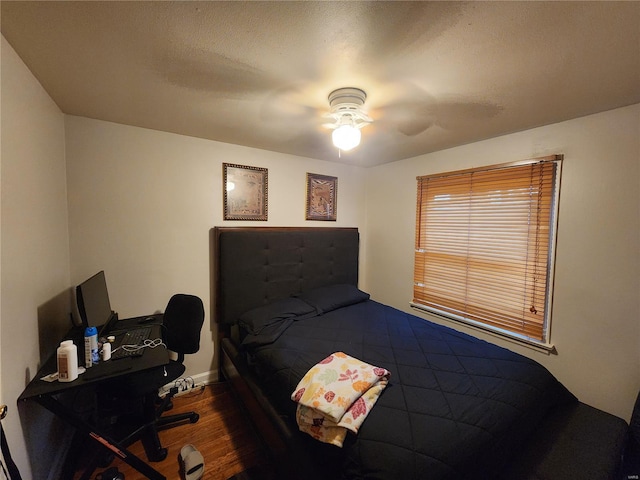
x,y
336,395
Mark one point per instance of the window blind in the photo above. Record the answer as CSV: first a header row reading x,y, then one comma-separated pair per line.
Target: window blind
x,y
483,245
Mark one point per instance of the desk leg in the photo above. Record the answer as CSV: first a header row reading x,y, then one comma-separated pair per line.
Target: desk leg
x,y
68,416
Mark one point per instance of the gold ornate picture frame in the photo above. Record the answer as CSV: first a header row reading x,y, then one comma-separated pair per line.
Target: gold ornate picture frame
x,y
322,195
245,192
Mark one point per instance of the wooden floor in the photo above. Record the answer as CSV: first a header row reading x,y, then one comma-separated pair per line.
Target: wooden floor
x,y
223,435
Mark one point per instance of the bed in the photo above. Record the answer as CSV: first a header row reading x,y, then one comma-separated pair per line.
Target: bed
x,y
455,407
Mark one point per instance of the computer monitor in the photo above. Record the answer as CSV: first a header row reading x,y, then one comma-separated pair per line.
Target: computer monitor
x,y
93,302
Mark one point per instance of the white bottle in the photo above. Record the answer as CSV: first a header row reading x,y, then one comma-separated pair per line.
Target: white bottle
x,y
106,351
67,361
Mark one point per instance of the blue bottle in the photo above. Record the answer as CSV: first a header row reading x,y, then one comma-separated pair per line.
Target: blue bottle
x,y
91,346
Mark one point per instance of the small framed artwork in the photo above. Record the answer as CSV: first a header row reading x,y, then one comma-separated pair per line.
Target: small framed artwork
x,y
245,192
322,192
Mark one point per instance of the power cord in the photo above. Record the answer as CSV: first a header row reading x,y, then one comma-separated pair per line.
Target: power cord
x,y
181,386
184,384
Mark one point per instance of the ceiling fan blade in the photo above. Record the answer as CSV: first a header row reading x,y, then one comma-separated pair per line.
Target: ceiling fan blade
x,y
415,127
410,109
453,115
290,103
385,33
211,72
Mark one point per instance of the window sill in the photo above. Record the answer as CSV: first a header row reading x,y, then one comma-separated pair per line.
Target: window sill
x,y
547,348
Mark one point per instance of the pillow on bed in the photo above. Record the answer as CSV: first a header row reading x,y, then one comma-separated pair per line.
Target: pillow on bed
x,y
256,320
331,297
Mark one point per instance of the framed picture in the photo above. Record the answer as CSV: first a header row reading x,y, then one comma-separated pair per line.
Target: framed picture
x,y
322,194
245,192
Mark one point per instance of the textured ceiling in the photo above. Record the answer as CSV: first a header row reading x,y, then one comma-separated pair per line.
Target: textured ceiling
x,y
437,74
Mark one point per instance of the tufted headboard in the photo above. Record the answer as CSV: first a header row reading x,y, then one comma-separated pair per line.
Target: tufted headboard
x,y
256,265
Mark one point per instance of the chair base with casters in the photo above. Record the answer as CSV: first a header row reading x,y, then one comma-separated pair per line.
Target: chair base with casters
x,y
182,323
130,413
155,422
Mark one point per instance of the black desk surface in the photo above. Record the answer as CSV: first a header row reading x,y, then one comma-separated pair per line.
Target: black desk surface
x,y
152,357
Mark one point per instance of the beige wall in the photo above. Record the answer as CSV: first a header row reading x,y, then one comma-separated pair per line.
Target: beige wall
x,y
596,327
142,203
35,251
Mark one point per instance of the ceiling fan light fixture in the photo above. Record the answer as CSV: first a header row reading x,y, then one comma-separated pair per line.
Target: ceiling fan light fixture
x,y
346,137
346,109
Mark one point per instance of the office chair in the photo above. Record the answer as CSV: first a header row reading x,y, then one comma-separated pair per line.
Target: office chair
x,y
182,322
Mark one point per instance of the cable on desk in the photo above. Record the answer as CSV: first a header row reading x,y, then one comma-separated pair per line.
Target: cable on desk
x,y
149,343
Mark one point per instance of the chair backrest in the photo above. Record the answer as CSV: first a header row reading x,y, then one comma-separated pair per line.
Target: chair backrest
x,y
183,319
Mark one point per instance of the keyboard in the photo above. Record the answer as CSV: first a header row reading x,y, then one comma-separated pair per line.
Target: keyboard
x,y
133,337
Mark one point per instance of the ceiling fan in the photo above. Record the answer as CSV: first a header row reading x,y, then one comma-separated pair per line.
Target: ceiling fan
x,y
348,116
402,108
395,107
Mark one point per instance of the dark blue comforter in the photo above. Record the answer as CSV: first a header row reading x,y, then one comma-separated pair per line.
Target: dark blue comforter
x,y
456,407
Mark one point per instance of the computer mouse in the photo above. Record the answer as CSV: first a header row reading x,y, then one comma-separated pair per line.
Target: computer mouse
x,y
146,319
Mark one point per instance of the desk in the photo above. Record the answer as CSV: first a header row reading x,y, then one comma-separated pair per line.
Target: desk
x,y
45,392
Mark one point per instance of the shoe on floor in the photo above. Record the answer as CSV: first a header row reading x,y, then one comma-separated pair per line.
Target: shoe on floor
x,y
192,462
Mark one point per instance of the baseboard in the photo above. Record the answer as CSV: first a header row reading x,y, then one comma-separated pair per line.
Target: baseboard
x,y
207,377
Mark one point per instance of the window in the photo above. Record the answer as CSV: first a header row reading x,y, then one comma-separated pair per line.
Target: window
x,y
485,245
